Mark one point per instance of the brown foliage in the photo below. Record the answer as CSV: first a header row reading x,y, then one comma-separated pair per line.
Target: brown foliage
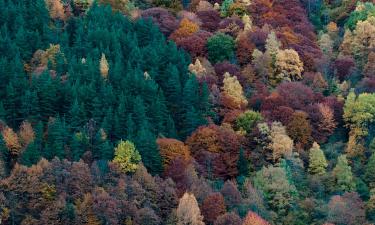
x,y
216,149
245,49
212,207
228,219
171,149
299,128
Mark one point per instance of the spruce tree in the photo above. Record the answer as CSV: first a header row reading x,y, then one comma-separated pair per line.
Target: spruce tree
x,y
243,164
56,139
147,147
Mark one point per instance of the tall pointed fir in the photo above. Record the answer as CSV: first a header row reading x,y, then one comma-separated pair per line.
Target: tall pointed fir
x,y
146,144
56,139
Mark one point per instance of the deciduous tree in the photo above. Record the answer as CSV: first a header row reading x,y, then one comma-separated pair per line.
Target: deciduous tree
x,y
126,156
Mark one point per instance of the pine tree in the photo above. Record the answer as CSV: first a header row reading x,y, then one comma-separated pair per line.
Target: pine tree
x,y
243,164
75,116
56,139
317,160
146,144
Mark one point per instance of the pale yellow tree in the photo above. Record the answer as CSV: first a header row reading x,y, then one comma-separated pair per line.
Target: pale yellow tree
x,y
188,212
272,45
289,67
232,95
326,44
281,144
363,40
104,67
197,68
248,23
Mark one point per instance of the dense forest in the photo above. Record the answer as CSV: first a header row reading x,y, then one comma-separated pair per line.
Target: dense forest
x,y
191,112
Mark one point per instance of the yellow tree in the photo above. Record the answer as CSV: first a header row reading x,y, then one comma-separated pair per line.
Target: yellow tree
x,y
281,144
232,95
317,160
104,67
288,65
126,156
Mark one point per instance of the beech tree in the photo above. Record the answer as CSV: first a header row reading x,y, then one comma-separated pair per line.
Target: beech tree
x,y
171,149
281,144
288,65
220,47
212,207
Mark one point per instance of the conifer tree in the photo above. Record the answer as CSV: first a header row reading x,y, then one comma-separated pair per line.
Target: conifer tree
x,y
243,164
146,144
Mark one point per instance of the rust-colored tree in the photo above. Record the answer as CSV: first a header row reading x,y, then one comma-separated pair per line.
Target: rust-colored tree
x,y
171,148
212,207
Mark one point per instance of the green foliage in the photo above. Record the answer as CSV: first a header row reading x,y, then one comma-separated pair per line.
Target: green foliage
x,y
359,111
278,192
317,160
247,120
370,171
126,156
220,47
343,175
225,6
366,9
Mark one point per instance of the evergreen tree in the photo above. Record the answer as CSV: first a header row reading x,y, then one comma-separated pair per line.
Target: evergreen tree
x,y
243,164
146,144
56,139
